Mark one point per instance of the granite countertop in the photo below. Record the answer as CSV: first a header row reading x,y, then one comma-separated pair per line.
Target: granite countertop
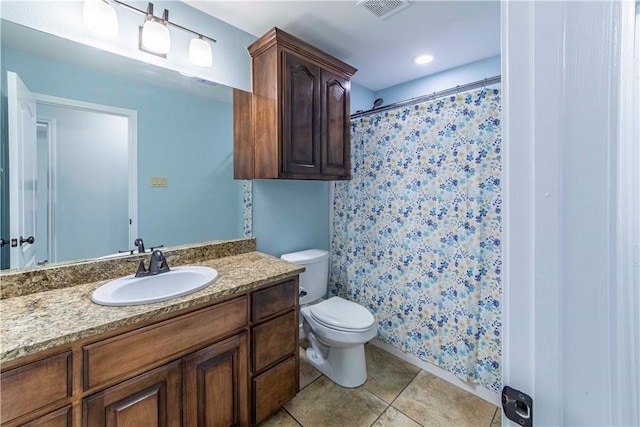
x,y
43,320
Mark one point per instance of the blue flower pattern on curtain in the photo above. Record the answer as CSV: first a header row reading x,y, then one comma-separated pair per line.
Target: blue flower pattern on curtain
x,y
417,231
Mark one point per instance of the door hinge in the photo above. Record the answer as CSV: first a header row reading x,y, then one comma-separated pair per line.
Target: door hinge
x,y
517,406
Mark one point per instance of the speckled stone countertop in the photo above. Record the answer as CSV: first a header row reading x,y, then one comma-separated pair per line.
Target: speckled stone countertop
x,y
43,320
15,283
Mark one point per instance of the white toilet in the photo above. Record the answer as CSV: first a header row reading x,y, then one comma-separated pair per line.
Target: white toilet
x,y
336,328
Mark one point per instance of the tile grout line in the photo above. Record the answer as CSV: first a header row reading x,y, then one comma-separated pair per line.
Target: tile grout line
x,y
316,379
494,416
290,414
379,416
402,391
294,418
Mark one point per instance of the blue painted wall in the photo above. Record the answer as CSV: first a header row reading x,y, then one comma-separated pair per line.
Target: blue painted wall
x,y
294,215
290,215
361,98
183,137
478,70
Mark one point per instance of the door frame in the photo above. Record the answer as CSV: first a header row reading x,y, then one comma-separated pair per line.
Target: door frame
x,y
51,189
132,136
548,304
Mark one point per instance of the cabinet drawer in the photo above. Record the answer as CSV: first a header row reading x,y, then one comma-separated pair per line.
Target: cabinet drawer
x,y
274,340
272,300
136,350
35,385
274,388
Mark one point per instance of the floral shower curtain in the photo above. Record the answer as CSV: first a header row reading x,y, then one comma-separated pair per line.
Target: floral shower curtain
x,y
417,231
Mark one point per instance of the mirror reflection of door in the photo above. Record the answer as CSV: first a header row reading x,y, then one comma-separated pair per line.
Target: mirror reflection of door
x,y
88,201
22,172
85,205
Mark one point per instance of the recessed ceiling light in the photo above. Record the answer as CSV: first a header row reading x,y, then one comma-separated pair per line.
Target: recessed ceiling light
x,y
423,59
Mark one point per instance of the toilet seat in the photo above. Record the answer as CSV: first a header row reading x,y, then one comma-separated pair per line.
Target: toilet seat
x,y
342,315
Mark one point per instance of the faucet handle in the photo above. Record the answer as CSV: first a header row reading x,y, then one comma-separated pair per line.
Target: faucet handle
x,y
141,270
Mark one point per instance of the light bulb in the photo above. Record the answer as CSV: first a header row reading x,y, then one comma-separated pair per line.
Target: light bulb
x,y
200,52
155,37
423,59
100,17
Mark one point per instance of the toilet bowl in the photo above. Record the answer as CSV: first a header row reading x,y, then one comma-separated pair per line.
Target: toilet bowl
x,y
337,329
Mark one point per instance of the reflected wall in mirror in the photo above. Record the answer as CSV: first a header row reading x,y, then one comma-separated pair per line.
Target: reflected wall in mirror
x,y
184,136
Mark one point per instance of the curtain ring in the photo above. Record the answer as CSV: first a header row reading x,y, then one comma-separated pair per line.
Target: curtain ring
x,y
484,85
457,89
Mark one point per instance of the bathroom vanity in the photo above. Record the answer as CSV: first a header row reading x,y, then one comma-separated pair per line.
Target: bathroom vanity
x,y
223,356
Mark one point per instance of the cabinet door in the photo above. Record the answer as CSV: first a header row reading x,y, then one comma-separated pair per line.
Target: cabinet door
x,y
336,125
215,381
59,418
151,399
301,116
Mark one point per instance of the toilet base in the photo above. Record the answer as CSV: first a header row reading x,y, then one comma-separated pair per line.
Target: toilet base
x,y
345,366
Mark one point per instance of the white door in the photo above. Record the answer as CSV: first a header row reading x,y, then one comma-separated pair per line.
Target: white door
x,y
22,172
570,319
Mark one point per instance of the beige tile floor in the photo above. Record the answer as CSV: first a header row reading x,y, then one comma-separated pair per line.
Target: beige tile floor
x,y
396,394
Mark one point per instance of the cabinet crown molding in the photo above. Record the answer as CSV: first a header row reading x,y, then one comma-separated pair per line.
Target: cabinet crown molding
x,y
276,36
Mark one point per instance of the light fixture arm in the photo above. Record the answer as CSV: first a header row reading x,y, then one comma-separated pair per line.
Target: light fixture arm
x,y
165,18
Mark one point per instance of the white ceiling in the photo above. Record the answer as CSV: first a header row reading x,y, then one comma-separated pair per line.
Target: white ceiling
x,y
454,32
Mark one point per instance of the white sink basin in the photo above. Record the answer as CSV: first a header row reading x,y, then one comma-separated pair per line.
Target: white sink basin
x,y
177,282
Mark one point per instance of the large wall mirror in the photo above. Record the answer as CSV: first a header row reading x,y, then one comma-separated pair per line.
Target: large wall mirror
x,y
123,149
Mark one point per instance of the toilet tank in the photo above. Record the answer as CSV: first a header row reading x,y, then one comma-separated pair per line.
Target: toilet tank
x,y
316,276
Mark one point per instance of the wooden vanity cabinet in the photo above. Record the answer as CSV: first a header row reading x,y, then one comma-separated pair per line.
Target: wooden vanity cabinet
x,y
296,122
209,367
205,388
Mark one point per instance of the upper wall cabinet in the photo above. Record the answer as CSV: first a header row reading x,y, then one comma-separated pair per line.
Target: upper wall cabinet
x,y
296,124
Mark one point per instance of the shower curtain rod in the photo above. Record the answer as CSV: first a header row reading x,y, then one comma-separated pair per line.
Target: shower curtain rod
x,y
434,95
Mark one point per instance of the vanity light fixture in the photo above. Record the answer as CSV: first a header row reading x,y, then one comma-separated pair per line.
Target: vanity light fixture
x,y
423,59
200,52
154,36
100,17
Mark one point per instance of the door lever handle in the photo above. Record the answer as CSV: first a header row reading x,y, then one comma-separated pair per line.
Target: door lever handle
x,y
29,240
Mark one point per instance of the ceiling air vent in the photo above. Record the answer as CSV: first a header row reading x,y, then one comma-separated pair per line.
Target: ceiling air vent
x,y
383,9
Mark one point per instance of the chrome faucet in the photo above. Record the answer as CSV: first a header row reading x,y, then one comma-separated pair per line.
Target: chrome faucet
x,y
157,264
140,244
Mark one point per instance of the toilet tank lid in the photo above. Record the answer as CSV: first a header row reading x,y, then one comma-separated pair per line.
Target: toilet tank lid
x,y
306,257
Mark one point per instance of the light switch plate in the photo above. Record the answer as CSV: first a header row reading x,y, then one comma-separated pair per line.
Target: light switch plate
x,y
159,181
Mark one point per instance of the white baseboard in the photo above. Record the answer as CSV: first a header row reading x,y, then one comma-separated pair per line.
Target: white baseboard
x,y
475,389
